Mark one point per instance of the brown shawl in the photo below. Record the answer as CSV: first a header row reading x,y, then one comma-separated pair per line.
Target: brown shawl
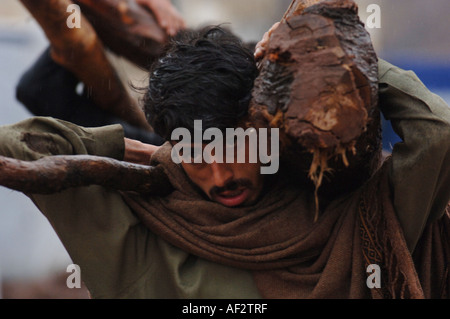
x,y
290,255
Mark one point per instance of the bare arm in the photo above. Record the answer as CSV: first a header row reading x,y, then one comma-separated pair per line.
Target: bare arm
x,y
138,152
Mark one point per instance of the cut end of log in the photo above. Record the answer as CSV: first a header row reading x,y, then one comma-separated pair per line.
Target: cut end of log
x,y
318,84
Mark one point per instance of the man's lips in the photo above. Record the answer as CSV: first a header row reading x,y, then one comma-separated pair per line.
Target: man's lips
x,y
232,198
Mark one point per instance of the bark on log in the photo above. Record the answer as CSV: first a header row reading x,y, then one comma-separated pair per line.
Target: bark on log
x,y
81,51
319,84
54,174
126,28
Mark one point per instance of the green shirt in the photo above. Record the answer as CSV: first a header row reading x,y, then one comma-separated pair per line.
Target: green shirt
x,y
120,258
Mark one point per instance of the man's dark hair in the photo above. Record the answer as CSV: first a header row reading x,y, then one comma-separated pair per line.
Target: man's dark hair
x,y
203,75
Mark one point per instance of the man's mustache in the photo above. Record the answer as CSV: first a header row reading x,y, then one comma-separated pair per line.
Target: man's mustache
x,y
231,186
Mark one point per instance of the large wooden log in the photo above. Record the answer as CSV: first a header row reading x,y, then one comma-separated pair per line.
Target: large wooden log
x,y
319,84
81,51
54,174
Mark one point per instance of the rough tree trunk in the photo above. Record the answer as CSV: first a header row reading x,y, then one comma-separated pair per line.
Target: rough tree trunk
x,y
319,85
54,174
81,51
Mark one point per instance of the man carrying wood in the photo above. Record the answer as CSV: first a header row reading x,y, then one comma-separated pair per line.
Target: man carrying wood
x,y
225,230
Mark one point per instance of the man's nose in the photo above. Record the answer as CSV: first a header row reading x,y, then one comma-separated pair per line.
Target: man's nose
x,y
221,174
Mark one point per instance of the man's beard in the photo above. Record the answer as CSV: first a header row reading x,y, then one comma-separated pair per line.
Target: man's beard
x,y
231,186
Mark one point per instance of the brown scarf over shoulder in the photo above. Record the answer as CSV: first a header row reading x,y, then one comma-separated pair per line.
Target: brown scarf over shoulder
x,y
290,255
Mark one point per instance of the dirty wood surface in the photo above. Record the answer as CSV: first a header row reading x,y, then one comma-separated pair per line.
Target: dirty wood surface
x,y
319,85
54,174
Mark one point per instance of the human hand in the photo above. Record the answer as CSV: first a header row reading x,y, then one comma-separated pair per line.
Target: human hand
x,y
261,47
137,152
166,15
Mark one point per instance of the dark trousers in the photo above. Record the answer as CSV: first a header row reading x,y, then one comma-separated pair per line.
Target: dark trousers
x,y
48,89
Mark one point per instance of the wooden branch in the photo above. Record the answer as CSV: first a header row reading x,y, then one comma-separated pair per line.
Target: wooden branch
x,y
54,174
318,83
126,28
81,51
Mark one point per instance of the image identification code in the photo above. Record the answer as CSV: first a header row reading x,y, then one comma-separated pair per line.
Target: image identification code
x,y
238,308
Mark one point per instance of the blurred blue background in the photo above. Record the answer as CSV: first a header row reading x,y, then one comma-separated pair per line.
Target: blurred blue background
x,y
434,74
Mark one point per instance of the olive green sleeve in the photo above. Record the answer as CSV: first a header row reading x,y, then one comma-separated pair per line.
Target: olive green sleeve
x,y
420,168
37,137
97,228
